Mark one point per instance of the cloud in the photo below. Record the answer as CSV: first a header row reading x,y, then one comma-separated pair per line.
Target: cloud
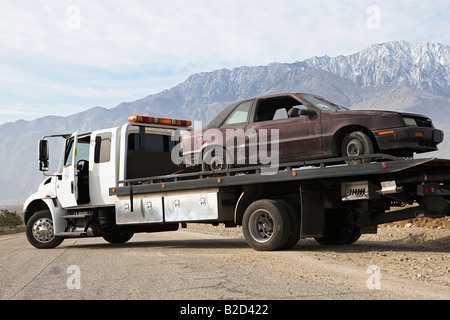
x,y
19,110
203,32
87,53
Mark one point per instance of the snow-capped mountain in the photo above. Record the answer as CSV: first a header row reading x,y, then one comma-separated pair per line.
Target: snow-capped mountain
x,y
424,66
391,76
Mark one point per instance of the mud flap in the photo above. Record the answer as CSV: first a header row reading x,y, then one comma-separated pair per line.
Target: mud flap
x,y
313,212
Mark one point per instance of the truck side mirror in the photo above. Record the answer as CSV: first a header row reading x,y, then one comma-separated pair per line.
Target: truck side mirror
x,y
43,155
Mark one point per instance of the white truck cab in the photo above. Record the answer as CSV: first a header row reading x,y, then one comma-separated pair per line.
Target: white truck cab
x,y
90,164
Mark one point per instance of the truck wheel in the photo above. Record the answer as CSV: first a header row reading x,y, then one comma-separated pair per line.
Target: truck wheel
x,y
40,232
340,228
294,218
357,144
266,225
215,159
118,237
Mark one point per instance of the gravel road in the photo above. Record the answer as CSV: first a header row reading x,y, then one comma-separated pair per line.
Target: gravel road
x,y
417,250
206,262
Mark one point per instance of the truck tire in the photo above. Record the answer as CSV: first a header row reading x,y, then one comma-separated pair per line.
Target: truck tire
x,y
118,237
266,225
294,217
355,144
340,228
40,232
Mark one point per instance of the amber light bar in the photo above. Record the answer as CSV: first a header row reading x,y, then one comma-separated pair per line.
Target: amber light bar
x,y
164,121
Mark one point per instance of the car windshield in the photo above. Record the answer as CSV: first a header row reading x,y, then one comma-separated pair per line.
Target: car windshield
x,y
321,103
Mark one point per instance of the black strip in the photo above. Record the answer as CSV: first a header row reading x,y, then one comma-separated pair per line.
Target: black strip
x,y
131,198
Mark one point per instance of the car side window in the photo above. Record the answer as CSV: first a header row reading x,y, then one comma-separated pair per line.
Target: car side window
x,y
280,114
276,108
239,115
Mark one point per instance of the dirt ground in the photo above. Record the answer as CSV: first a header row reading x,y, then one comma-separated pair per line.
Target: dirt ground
x,y
417,249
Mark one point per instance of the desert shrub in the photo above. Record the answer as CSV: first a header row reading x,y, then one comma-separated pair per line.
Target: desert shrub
x,y
10,219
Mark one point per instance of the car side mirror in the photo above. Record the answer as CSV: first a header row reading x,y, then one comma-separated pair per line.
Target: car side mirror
x,y
43,155
307,112
296,112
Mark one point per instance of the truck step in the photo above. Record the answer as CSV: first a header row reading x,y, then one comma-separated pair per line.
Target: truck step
x,y
77,216
71,234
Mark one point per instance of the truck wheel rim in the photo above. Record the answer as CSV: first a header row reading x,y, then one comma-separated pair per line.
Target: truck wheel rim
x,y
261,226
43,230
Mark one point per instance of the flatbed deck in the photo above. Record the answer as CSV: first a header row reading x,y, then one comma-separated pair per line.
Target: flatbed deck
x,y
385,166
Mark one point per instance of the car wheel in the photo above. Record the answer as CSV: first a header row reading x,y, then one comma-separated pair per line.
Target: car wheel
x,y
40,232
357,144
215,159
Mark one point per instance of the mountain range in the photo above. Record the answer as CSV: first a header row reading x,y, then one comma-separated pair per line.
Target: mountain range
x,y
391,76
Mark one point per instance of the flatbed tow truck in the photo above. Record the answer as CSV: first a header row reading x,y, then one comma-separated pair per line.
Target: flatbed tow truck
x,y
106,187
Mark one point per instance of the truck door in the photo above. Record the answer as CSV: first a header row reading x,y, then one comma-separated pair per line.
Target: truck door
x,y
72,187
66,187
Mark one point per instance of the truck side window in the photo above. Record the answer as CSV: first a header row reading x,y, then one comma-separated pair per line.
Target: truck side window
x,y
156,143
68,153
133,141
149,140
83,150
102,147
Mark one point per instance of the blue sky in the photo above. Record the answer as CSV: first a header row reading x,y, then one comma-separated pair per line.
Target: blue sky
x,y
62,57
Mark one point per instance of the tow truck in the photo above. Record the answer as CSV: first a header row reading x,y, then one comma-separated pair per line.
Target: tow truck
x,y
115,182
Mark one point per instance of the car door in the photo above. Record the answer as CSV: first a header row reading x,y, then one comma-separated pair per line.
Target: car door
x,y
295,138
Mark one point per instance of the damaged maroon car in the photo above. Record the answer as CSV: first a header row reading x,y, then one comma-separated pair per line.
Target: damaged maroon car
x,y
301,126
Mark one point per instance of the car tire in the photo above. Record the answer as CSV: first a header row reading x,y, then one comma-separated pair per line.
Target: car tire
x,y
40,232
215,159
266,225
355,144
